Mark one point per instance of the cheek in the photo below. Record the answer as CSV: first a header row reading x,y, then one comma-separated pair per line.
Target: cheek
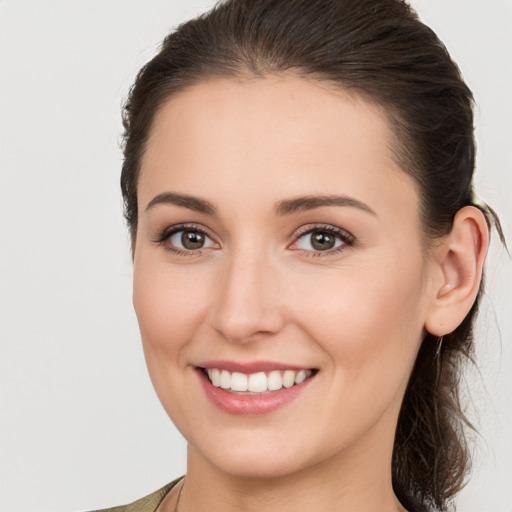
x,y
371,322
370,327
169,304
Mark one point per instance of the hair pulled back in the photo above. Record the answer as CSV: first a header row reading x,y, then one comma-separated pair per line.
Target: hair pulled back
x,y
381,51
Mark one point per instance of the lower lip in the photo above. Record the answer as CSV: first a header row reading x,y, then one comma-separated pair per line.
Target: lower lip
x,y
251,405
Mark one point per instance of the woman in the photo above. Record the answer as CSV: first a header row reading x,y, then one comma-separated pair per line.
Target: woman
x,y
308,255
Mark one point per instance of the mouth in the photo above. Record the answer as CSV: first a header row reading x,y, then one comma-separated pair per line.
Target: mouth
x,y
257,383
254,388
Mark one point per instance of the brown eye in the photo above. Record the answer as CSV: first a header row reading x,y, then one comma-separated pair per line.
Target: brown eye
x,y
190,240
322,241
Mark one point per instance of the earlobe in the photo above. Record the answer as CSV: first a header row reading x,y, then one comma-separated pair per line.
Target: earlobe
x,y
460,260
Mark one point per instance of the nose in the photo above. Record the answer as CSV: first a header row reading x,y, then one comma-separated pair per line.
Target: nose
x,y
248,302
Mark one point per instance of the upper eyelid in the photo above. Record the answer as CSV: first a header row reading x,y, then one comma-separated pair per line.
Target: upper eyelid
x,y
310,228
176,228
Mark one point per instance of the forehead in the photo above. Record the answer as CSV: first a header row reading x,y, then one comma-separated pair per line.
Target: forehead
x,y
272,136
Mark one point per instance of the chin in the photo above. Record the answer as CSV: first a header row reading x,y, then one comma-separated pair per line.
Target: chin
x,y
256,455
258,466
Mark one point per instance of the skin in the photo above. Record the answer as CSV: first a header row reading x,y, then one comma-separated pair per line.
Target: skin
x,y
258,290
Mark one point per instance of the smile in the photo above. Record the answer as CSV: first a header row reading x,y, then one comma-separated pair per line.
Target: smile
x,y
260,382
253,389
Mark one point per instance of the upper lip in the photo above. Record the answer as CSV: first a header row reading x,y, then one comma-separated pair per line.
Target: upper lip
x,y
251,367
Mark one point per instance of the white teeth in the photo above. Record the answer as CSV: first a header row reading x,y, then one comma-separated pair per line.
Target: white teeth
x,y
259,382
275,381
238,381
300,377
214,375
288,378
225,379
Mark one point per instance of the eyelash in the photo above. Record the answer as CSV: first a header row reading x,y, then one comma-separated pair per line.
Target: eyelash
x,y
347,240
167,233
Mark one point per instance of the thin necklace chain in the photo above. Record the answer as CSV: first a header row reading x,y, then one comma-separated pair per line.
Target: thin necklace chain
x,y
179,495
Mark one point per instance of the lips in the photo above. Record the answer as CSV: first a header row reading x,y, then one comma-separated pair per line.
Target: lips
x,y
255,388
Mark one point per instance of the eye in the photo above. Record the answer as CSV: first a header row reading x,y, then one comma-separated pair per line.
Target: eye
x,y
185,239
318,241
190,240
323,239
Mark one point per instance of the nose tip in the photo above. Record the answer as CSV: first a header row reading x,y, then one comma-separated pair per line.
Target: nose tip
x,y
247,306
242,329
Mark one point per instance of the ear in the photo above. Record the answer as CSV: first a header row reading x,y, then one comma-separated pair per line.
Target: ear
x,y
459,261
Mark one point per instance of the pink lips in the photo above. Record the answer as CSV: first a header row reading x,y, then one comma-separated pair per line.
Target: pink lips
x,y
246,404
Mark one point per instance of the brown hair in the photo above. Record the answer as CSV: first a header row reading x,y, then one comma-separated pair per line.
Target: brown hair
x,y
378,49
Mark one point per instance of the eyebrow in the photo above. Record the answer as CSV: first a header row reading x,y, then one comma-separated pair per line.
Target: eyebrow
x,y
304,203
285,207
186,201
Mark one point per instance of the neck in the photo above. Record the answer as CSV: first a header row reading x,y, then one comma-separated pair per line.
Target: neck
x,y
352,484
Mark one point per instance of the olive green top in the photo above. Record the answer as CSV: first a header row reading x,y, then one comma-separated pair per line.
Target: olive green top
x,y
151,503
148,504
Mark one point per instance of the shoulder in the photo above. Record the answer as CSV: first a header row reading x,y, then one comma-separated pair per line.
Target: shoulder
x,y
147,504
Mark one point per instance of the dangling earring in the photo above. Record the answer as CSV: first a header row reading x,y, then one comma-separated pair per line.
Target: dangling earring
x,y
438,359
439,346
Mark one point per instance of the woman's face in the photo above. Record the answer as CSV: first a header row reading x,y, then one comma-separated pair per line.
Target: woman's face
x,y
278,240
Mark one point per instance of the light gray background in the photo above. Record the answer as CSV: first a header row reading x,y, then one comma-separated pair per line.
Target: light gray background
x,y
80,425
